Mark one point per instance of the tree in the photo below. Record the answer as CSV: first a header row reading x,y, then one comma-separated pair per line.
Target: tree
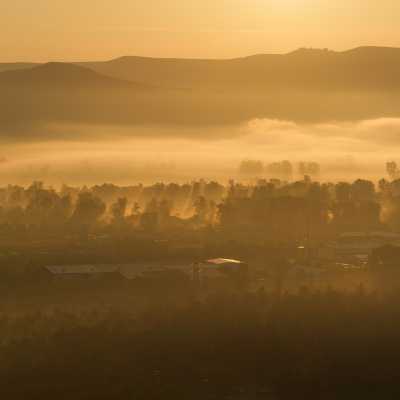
x,y
343,192
201,210
363,190
45,208
281,170
118,210
392,170
88,210
383,185
136,209
251,168
312,169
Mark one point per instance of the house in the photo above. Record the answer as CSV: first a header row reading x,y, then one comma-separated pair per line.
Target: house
x,y
384,266
223,269
82,271
209,270
126,271
364,243
153,270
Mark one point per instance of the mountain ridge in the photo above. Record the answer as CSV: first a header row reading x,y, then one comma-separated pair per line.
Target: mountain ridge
x,y
361,68
307,85
309,50
364,68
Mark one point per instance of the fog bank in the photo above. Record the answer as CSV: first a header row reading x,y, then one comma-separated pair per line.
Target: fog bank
x,y
153,153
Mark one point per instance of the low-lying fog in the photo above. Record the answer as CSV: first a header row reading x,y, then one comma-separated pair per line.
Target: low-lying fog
x,y
89,155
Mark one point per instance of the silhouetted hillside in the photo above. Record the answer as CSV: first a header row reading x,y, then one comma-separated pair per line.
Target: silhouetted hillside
x,y
364,68
15,66
55,75
305,85
60,93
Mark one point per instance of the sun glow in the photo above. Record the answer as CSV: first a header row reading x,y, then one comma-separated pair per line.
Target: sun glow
x,y
191,28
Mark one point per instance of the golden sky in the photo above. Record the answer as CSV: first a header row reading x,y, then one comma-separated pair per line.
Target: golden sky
x,y
43,30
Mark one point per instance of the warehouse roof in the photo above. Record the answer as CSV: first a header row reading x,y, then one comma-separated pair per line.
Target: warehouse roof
x,y
128,271
82,269
222,261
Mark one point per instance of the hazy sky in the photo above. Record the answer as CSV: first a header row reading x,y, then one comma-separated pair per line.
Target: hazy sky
x,y
42,30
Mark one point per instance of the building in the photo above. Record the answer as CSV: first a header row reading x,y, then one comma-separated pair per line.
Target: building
x,y
223,270
364,243
126,271
384,265
154,270
82,271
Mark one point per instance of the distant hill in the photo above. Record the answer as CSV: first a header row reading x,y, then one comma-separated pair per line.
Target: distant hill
x,y
15,66
58,93
364,68
62,75
306,85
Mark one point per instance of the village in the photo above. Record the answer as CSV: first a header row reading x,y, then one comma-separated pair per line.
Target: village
x,y
353,259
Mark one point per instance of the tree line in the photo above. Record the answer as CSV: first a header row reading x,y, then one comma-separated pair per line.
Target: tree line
x,y
269,208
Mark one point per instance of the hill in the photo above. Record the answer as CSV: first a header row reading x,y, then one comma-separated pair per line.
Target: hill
x,y
364,68
16,66
306,86
62,75
60,93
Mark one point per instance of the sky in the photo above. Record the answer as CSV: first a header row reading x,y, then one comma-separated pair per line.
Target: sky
x,y
74,30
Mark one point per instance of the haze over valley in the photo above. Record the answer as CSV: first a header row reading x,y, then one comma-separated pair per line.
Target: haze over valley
x,y
199,199
131,116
